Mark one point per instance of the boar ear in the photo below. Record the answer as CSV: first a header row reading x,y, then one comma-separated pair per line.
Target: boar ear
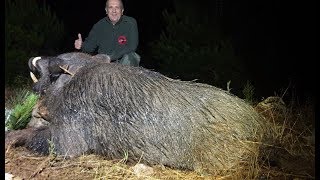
x,y
54,65
59,66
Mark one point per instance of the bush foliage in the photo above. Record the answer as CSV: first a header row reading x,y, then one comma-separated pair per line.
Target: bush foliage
x,y
195,48
21,113
31,29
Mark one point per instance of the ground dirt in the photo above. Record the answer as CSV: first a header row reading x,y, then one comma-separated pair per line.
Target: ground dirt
x,y
24,164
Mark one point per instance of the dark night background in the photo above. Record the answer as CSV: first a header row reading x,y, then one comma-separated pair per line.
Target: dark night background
x,y
279,33
275,39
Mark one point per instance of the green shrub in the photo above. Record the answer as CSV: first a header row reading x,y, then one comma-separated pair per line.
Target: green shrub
x,y
17,95
21,113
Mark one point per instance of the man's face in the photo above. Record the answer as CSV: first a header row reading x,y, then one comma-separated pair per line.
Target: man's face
x,y
114,10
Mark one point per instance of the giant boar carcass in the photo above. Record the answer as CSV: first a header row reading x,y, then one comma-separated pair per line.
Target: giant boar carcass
x,y
111,109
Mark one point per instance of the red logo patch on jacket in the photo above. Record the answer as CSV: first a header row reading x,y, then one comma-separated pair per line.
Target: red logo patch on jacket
x,y
122,40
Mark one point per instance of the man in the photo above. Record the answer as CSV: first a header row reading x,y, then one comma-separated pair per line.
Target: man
x,y
115,35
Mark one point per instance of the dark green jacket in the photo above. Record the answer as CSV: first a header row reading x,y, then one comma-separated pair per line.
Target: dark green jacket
x,y
113,40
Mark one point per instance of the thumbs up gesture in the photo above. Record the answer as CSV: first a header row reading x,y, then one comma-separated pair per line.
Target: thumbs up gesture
x,y
78,42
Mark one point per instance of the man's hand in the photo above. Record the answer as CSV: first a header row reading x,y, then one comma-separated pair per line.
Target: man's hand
x,y
78,42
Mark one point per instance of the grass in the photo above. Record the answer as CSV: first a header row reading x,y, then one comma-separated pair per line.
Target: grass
x,y
248,92
291,148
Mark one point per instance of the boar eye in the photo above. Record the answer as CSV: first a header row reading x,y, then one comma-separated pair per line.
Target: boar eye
x,y
54,77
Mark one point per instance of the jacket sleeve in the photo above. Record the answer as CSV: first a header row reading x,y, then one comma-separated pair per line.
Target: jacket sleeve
x,y
133,41
90,44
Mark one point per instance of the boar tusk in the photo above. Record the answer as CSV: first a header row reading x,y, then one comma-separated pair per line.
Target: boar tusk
x,y
66,70
33,77
34,60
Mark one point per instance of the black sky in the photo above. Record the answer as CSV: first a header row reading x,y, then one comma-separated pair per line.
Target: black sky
x,y
282,33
